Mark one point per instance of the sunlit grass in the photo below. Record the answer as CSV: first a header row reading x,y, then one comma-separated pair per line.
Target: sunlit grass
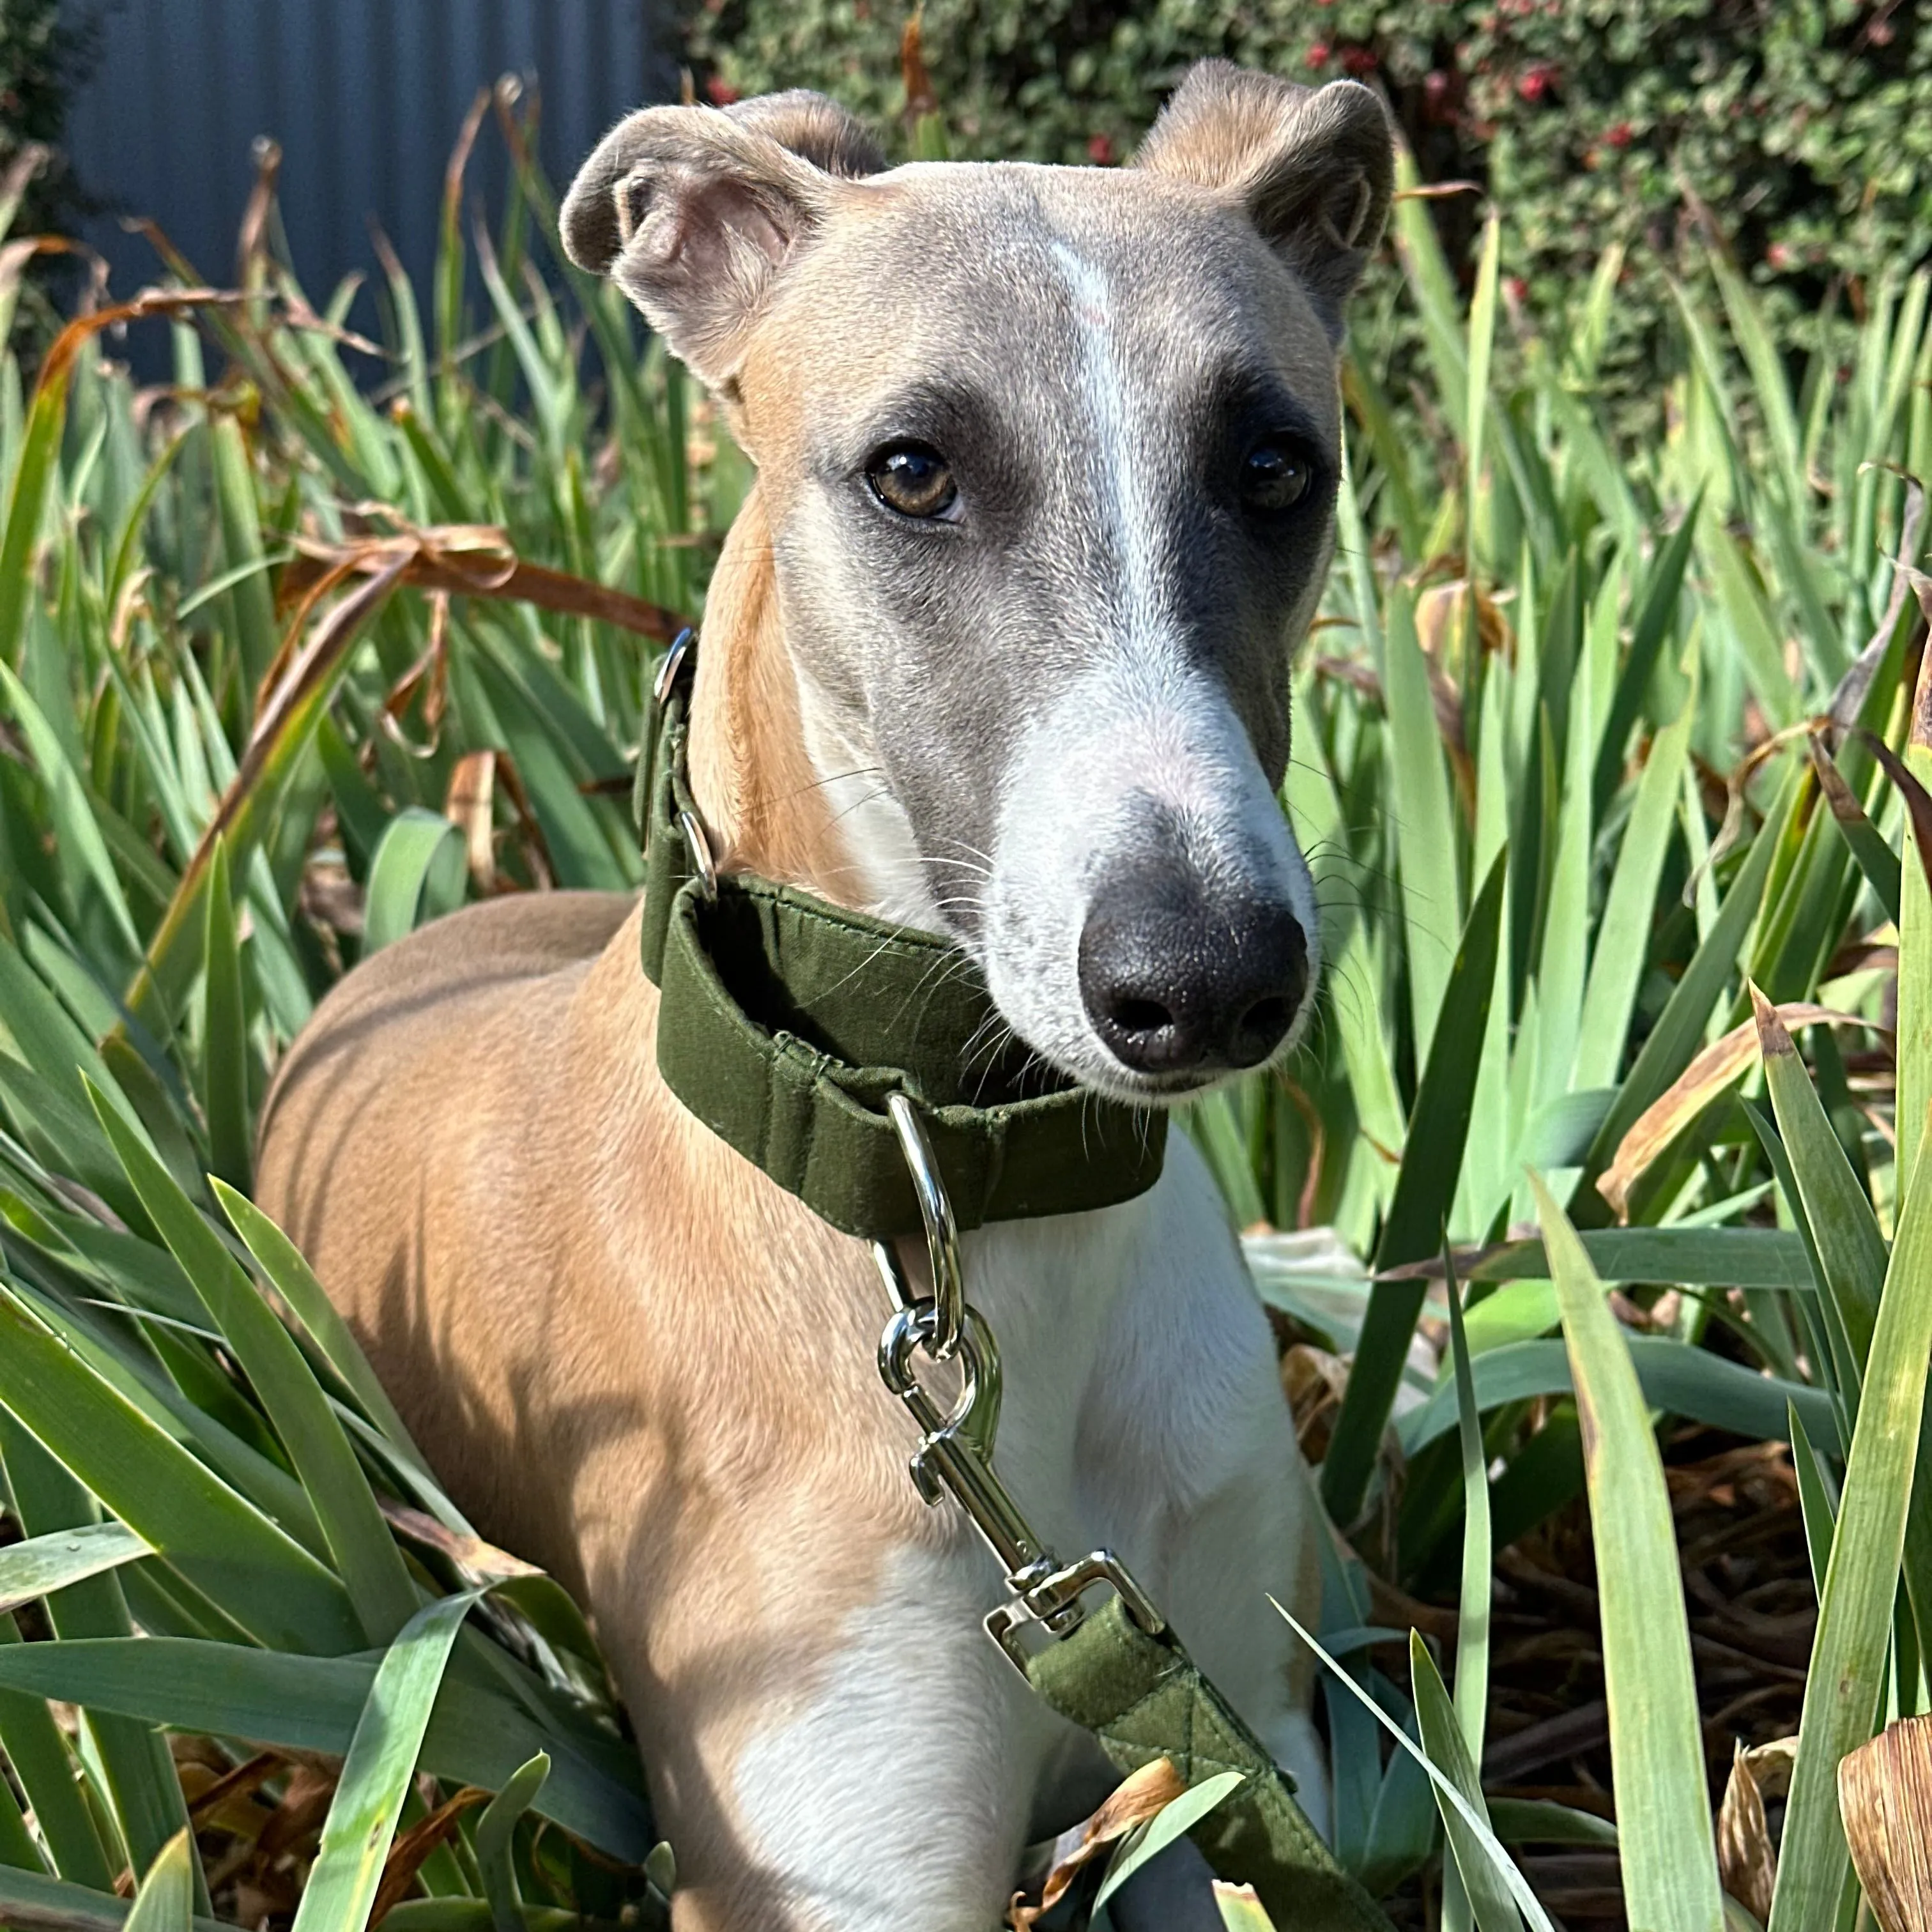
x,y
262,708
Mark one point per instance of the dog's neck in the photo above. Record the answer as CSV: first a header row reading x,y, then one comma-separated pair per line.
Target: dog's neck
x,y
764,805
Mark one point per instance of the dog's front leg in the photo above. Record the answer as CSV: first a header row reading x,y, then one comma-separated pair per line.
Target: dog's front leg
x,y
868,1771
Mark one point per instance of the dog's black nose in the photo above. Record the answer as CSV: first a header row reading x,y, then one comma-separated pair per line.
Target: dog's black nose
x,y
1173,984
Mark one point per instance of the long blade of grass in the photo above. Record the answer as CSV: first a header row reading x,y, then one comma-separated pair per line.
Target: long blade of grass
x,y
1623,932
1848,1655
221,1543
44,1564
1485,1886
1676,1378
494,1832
314,1703
1425,822
417,871
165,1901
1478,1585
1674,1041
1525,1900
361,1821
224,1031
1419,1209
1666,1846
378,1583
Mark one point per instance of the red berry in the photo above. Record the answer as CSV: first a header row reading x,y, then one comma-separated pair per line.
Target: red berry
x,y
1357,60
1100,151
1619,136
1777,256
721,92
1317,54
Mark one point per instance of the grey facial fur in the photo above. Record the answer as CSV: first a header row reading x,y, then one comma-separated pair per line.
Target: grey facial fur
x,y
1099,643
1082,670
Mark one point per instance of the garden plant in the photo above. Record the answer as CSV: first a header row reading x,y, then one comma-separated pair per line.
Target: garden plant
x,y
1589,1211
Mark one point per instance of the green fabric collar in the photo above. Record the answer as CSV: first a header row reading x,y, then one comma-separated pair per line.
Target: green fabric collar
x,y
784,1022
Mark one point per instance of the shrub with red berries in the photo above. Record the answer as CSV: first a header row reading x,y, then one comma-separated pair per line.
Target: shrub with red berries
x,y
1803,129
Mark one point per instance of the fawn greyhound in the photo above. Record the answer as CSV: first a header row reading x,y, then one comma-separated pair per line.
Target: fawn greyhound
x,y
997,647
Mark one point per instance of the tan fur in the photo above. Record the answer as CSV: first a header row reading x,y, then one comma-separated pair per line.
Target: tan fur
x,y
762,802
471,1145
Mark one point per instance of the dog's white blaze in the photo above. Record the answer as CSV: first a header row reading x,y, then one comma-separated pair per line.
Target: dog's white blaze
x,y
1143,723
1132,520
1143,1413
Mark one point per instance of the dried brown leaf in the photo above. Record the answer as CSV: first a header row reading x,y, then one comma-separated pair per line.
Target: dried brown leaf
x,y
1746,1862
482,1561
469,805
412,1847
1700,1083
1884,1797
477,561
1135,1799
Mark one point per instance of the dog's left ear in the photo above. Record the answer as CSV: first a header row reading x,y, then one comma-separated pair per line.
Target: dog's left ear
x,y
1313,168
693,211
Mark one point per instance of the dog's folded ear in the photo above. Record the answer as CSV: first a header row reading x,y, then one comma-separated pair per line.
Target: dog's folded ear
x,y
692,210
1313,168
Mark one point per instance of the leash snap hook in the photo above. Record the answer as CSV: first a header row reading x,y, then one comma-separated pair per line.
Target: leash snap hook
x,y
955,1457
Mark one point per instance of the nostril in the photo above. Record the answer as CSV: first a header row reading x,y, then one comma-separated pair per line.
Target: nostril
x,y
1267,1019
1139,1016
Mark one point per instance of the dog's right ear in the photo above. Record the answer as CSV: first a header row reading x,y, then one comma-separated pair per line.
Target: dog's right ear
x,y
693,211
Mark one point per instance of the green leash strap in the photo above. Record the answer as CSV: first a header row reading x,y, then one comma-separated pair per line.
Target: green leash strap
x,y
1143,1697
784,1022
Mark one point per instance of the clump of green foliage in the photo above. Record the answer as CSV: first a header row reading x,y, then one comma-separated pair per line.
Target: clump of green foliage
x,y
1797,133
1590,754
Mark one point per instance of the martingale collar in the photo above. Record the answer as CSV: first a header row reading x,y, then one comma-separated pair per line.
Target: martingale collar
x,y
783,1023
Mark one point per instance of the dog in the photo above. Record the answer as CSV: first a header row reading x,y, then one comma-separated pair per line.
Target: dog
x,y
997,647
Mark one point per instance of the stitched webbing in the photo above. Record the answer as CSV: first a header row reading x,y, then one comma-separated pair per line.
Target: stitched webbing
x,y
1143,1697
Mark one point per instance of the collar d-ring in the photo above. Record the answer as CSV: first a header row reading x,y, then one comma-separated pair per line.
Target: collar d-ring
x,y
942,1230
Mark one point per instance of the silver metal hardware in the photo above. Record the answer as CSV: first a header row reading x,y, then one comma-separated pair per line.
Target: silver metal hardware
x,y
942,1231
1053,1603
674,663
955,1457
700,852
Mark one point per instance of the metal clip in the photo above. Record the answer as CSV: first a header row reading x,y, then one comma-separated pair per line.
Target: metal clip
x,y
1054,1604
942,1231
955,1457
700,852
673,662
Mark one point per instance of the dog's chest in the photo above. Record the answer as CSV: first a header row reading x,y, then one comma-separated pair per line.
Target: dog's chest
x,y
1122,1334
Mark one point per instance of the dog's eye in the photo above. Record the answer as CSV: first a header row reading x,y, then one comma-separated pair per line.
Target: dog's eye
x,y
913,479
1274,476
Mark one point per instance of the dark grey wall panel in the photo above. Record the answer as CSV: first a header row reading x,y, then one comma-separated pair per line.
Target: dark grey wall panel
x,y
364,96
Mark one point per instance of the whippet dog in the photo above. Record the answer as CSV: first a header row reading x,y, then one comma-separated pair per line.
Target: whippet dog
x,y
997,647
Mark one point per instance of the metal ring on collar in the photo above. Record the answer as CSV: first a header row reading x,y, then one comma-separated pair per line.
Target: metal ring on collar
x,y
700,852
674,663
942,1231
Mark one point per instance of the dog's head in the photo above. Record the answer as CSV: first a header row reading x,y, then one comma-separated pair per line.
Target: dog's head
x,y
1048,457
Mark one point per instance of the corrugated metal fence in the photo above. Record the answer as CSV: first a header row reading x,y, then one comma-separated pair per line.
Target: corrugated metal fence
x,y
364,96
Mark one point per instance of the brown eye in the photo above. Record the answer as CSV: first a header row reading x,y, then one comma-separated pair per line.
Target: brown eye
x,y
913,480
1274,476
